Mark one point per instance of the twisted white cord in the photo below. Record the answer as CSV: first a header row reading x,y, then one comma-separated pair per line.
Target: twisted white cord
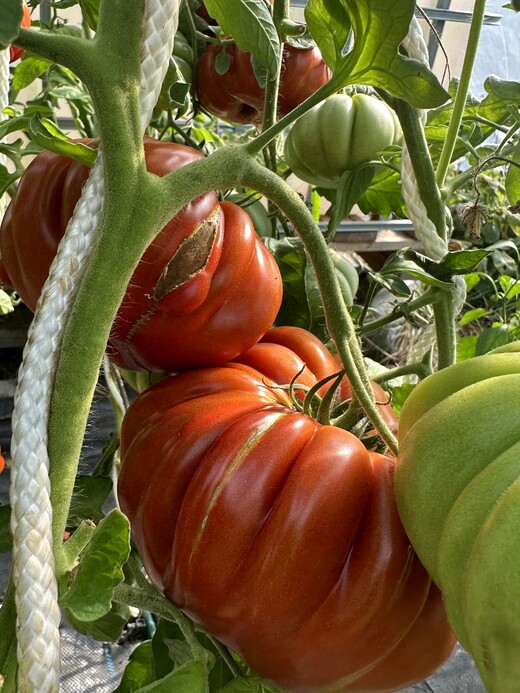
x,y
38,612
434,246
4,101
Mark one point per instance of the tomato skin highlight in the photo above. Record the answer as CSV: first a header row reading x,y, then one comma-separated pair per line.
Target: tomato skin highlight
x,y
14,51
214,313
277,534
236,95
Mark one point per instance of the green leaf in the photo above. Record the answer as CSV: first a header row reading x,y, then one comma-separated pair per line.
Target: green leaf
x,y
509,285
379,28
400,394
10,21
100,570
458,262
512,182
29,69
90,494
407,261
108,628
90,10
6,540
471,279
383,196
242,685
491,338
466,348
139,671
329,25
6,305
190,678
251,25
48,136
350,187
392,283
474,314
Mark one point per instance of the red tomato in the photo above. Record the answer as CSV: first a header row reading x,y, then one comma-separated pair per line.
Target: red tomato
x,y
174,315
2,461
14,51
236,95
278,535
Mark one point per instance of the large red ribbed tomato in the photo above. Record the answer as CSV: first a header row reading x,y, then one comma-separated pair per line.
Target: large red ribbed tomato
x,y
237,97
204,292
278,535
14,51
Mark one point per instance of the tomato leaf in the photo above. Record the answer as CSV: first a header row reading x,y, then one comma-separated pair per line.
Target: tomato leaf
x,y
379,28
407,261
10,21
100,570
350,187
512,182
48,136
466,347
90,10
140,669
384,196
189,678
27,70
491,338
6,305
108,628
329,25
251,25
472,315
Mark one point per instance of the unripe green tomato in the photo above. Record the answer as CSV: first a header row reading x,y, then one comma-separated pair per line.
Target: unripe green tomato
x,y
457,487
338,135
347,276
256,211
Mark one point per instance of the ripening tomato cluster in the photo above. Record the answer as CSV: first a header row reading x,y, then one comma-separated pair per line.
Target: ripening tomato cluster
x,y
276,533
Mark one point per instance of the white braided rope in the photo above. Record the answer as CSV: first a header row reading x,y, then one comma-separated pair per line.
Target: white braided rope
x,y
4,101
434,246
33,562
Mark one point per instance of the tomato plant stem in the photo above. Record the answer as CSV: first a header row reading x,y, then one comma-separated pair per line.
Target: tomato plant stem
x,y
413,133
150,599
445,330
8,662
430,296
462,91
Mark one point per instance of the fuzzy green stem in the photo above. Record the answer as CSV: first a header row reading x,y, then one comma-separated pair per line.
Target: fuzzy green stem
x,y
462,91
8,661
150,599
413,133
115,94
77,542
420,369
445,330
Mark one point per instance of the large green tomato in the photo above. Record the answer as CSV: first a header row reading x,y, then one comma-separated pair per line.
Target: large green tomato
x,y
458,492
338,135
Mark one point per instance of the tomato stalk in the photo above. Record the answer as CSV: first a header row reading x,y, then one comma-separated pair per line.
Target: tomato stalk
x,y
431,296
459,103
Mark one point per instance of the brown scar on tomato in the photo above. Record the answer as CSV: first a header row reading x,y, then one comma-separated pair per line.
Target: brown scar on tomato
x,y
190,258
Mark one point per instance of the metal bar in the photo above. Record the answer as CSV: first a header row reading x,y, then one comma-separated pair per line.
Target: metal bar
x,y
438,14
